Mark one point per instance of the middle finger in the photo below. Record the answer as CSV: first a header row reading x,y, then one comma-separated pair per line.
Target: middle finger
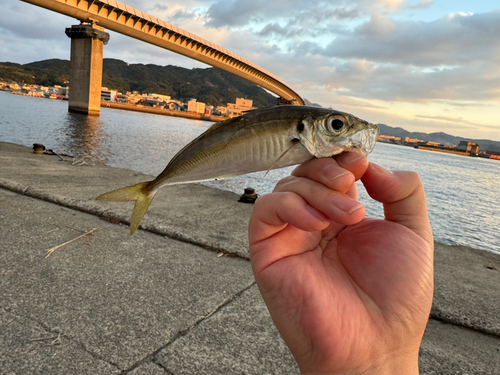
x,y
326,171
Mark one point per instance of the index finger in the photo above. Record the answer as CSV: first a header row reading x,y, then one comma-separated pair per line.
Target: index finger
x,y
403,196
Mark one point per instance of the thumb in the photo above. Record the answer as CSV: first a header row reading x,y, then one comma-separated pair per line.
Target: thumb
x,y
402,194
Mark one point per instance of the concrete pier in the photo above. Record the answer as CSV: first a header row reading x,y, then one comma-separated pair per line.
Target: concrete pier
x,y
85,77
177,297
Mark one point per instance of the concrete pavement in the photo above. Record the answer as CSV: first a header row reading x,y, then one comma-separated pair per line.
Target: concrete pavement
x,y
178,297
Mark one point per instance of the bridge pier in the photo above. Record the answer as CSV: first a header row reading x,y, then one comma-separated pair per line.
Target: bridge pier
x,y
85,78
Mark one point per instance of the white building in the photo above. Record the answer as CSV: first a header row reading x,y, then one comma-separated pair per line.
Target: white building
x,y
108,95
238,108
196,107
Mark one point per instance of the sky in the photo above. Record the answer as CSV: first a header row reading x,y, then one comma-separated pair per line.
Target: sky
x,y
424,65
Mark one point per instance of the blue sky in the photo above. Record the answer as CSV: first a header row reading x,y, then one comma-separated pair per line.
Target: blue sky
x,y
424,65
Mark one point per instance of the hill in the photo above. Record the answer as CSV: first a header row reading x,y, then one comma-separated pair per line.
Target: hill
x,y
446,139
211,85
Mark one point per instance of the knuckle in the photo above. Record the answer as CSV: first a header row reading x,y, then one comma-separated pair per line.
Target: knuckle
x,y
288,198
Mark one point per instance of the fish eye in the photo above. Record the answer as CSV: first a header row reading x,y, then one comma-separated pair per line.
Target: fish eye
x,y
336,124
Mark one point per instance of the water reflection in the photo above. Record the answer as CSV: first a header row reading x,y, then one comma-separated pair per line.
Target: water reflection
x,y
85,135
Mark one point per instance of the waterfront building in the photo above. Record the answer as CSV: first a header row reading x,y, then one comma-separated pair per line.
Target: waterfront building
x,y
208,110
238,108
134,97
121,98
434,144
196,107
389,139
174,106
164,98
108,95
471,147
412,141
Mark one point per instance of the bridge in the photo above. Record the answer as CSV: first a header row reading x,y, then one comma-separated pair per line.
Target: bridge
x,y
121,18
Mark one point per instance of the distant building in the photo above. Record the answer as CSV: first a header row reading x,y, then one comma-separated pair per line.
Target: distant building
x,y
108,95
121,98
471,147
196,107
173,106
238,108
389,139
413,141
133,98
208,110
435,144
165,98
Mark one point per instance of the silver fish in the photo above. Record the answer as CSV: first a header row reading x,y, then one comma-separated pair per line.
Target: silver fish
x,y
256,141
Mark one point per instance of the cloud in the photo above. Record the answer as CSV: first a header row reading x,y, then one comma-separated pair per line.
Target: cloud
x,y
232,13
240,13
37,23
422,4
378,26
451,40
457,120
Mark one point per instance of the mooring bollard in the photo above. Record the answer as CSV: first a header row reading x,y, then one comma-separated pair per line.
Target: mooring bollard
x,y
249,196
38,148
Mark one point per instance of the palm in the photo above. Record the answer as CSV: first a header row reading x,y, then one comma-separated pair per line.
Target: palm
x,y
354,276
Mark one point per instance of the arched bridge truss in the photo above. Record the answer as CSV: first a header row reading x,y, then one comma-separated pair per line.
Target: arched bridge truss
x,y
121,18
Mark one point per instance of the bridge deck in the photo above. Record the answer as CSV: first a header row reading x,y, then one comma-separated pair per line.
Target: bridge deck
x,y
124,19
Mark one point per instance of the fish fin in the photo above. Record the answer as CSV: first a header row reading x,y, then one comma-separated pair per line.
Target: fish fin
x,y
295,142
138,193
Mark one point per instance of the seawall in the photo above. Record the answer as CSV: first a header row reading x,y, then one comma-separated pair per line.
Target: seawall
x,y
179,295
158,111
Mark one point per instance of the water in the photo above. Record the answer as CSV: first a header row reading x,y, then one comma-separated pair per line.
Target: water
x,y
462,192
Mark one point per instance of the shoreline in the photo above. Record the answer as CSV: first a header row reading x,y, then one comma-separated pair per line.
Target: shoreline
x,y
141,108
444,151
164,112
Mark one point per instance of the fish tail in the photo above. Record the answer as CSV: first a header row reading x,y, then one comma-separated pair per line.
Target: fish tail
x,y
140,193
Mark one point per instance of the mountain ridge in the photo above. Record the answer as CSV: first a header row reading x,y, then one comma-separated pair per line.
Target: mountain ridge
x,y
212,86
441,137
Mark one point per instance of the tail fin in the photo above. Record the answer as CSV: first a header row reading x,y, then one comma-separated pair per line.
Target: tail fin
x,y
138,193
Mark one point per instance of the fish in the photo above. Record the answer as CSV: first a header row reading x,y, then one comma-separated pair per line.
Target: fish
x,y
259,140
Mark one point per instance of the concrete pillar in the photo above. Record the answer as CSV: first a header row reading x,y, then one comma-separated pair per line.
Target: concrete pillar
x,y
85,78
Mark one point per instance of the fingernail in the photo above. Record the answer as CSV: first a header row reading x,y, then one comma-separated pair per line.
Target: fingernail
x,y
381,169
351,157
332,171
346,204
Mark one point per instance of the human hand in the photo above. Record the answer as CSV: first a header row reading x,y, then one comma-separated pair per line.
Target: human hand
x,y
349,294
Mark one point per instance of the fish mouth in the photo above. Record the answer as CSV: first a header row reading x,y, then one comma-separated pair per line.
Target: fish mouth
x,y
364,141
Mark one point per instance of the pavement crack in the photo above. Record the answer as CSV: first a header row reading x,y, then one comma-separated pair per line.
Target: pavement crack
x,y
58,338
152,356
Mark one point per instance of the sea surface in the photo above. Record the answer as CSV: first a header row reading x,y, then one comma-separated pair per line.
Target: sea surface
x,y
463,193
